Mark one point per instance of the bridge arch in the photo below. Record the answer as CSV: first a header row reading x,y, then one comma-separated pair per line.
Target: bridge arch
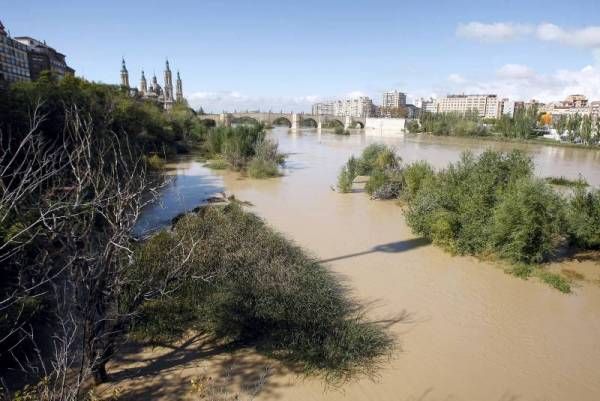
x,y
245,120
358,124
279,121
208,122
310,122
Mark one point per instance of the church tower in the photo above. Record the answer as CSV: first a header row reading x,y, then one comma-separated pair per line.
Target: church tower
x,y
143,84
179,89
124,75
168,96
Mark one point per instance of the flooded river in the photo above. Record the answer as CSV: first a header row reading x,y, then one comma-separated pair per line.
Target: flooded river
x,y
472,331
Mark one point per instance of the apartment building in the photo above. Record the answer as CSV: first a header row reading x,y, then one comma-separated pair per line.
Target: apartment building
x,y
393,99
488,106
14,64
356,107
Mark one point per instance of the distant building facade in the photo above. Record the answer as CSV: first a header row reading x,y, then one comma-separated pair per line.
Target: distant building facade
x,y
361,106
163,95
428,105
14,63
393,99
487,106
42,57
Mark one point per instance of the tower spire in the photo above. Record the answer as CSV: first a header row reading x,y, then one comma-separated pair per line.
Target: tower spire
x,y
143,84
179,89
124,74
168,98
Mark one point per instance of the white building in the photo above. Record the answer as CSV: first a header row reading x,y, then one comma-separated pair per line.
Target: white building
x,y
488,106
393,99
357,107
427,106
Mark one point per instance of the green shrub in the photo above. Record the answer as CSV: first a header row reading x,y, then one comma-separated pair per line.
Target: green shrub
x,y
583,218
217,164
345,180
376,156
555,280
339,130
565,182
155,162
265,291
261,168
527,222
414,176
376,180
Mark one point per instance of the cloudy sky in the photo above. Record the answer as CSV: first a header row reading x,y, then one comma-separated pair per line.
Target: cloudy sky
x,y
285,54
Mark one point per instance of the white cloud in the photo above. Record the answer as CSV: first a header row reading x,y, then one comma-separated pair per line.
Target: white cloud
x,y
456,79
216,102
515,71
354,95
494,32
519,82
588,37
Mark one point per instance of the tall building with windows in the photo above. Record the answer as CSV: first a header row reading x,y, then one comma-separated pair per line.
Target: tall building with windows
x,y
393,100
14,63
42,57
487,106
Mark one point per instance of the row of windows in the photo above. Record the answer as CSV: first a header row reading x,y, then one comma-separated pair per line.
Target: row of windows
x,y
15,70
9,60
12,43
11,50
15,78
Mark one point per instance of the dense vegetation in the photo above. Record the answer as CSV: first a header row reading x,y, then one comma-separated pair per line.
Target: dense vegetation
x,y
486,205
75,161
73,178
525,124
243,148
264,291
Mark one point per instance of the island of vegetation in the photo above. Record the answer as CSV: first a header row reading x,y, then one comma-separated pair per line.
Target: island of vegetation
x,y
489,205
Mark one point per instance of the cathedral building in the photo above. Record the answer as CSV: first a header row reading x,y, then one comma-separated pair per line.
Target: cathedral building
x,y
163,95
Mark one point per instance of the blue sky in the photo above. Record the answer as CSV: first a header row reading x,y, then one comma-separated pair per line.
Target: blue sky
x,y
287,54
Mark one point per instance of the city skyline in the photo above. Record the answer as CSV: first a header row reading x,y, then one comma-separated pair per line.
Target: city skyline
x,y
270,55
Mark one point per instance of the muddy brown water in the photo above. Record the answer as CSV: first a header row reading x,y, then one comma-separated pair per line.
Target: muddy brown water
x,y
472,332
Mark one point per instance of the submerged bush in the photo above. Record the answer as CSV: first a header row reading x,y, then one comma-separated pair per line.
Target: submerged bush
x,y
583,218
345,180
244,148
457,204
265,291
527,222
414,176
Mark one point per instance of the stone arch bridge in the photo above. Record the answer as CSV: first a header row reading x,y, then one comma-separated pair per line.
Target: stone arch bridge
x,y
292,120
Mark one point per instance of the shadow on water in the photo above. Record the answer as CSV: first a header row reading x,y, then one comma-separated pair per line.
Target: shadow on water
x,y
392,247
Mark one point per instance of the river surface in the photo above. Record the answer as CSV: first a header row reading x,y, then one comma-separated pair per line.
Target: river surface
x,y
472,332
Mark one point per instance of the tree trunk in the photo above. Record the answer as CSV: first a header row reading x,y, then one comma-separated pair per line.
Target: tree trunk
x,y
99,373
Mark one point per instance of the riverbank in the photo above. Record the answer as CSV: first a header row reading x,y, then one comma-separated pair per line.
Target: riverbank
x,y
499,138
466,318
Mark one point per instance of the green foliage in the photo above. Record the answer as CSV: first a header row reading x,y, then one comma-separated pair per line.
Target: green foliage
x,y
565,182
555,280
245,147
263,290
345,180
376,156
414,176
413,126
155,162
261,168
583,218
459,201
459,124
339,130
527,222
217,164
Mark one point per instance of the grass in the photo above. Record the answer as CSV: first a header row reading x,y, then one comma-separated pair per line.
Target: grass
x,y
566,182
217,164
555,280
